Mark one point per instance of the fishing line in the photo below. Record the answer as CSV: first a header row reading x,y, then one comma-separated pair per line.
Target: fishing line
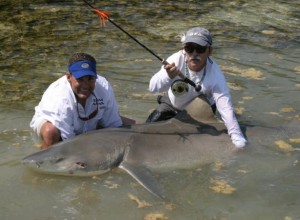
x,y
104,17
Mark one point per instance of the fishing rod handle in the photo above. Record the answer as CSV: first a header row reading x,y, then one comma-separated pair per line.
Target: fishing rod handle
x,y
185,79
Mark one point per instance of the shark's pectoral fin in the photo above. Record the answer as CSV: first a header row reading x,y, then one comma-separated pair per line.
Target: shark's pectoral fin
x,y
144,177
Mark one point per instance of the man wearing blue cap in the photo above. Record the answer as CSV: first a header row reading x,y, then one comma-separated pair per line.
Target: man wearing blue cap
x,y
78,102
194,62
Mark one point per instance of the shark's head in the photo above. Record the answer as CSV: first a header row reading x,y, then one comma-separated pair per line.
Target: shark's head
x,y
55,161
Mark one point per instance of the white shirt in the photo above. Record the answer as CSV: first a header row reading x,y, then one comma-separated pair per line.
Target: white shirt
x,y
59,106
213,86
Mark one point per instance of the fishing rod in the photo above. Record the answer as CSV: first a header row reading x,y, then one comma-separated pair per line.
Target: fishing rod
x,y
104,16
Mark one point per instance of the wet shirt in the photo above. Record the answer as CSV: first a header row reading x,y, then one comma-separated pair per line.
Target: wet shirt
x,y
213,86
59,106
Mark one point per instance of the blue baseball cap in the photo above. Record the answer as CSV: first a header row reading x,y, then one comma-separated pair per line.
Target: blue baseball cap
x,y
83,68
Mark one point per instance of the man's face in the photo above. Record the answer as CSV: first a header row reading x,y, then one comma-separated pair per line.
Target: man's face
x,y
82,87
196,56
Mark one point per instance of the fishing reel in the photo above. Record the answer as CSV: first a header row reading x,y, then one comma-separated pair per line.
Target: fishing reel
x,y
179,88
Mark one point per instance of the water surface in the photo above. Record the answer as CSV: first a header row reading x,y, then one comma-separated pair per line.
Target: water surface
x,y
255,43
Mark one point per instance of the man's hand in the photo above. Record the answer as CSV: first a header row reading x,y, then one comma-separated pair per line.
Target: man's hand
x,y
238,140
172,70
127,121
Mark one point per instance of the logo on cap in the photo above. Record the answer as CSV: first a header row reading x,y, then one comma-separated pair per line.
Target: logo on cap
x,y
85,65
195,34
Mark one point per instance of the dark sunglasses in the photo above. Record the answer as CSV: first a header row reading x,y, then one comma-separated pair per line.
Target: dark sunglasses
x,y
189,48
92,115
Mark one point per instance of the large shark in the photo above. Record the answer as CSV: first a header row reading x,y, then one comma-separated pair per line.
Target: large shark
x,y
193,138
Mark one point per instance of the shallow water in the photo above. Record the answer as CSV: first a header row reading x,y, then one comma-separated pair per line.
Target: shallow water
x,y
255,43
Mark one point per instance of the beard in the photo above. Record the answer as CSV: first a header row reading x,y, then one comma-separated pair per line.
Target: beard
x,y
195,63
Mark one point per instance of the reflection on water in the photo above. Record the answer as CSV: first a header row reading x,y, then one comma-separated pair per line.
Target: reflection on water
x,y
255,43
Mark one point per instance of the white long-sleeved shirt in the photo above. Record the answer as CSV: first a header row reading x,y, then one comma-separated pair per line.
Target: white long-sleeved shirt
x,y
213,86
59,106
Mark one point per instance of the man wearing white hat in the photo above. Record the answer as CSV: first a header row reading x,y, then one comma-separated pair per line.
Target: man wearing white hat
x,y
194,62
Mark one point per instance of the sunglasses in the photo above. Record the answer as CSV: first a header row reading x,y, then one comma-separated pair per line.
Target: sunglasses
x,y
189,48
92,115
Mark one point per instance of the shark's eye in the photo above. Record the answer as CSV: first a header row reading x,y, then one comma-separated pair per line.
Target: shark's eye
x,y
81,164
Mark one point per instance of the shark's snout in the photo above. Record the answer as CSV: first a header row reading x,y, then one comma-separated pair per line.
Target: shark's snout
x,y
55,164
31,163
